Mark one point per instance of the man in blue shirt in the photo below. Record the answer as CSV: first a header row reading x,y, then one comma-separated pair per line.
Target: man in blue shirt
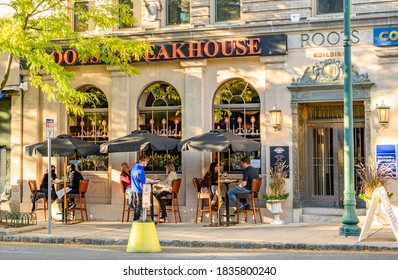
x,y
138,179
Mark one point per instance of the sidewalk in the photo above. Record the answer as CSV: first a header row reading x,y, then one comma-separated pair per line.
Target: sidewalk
x,y
243,235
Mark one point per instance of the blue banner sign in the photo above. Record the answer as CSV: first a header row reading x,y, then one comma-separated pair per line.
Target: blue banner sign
x,y
387,154
385,36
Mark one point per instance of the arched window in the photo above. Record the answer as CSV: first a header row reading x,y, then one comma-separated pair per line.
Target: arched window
x,y
160,113
236,109
92,127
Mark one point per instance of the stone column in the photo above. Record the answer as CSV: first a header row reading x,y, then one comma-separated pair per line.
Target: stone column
x,y
193,124
277,78
120,124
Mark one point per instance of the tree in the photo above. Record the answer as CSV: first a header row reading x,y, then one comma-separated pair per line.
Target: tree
x,y
35,28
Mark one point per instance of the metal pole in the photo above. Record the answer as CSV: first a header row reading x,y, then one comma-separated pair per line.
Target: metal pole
x,y
350,220
49,185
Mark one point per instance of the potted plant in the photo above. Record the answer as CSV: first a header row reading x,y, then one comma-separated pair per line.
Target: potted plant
x,y
373,175
276,192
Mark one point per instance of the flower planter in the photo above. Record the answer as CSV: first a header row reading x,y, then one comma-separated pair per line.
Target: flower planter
x,y
276,210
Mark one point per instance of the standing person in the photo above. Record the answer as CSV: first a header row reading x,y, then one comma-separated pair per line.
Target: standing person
x,y
138,179
125,178
245,186
210,180
166,187
44,183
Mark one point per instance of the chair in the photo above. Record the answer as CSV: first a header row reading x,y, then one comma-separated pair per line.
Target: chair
x,y
41,203
82,206
253,197
201,197
175,208
126,206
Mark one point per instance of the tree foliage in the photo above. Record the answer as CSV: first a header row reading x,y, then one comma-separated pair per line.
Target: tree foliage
x,y
34,27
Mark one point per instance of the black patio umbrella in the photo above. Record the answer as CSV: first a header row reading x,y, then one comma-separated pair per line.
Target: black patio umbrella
x,y
139,140
63,145
219,141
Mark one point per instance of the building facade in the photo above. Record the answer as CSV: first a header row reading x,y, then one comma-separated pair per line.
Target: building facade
x,y
287,54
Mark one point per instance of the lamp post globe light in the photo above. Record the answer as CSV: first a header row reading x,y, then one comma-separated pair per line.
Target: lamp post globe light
x,y
349,220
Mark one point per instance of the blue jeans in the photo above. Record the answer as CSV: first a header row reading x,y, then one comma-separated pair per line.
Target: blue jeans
x,y
233,192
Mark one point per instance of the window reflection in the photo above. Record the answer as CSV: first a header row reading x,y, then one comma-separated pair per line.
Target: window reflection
x,y
227,10
329,6
178,12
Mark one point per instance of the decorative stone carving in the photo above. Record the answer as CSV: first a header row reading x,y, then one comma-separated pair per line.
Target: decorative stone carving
x,y
328,71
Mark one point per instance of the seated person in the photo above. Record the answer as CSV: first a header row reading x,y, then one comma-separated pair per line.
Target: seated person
x,y
164,188
125,178
74,178
245,186
44,183
210,181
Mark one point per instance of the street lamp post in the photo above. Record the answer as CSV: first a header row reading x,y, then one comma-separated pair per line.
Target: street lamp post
x,y
350,220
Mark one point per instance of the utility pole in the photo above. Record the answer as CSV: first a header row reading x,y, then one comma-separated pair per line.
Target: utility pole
x,y
350,220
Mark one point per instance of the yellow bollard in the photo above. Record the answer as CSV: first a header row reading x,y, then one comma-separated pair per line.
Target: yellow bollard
x,y
143,238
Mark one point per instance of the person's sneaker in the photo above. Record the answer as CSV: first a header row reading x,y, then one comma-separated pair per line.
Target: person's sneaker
x,y
244,207
71,205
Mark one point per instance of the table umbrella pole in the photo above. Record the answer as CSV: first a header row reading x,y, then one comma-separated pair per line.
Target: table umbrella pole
x,y
65,202
219,191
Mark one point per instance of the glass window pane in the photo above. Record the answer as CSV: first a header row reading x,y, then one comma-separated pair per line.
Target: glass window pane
x,y
131,4
227,10
161,115
329,6
80,23
237,109
178,12
92,127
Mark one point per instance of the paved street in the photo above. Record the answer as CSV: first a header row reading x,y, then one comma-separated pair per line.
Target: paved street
x,y
23,251
244,235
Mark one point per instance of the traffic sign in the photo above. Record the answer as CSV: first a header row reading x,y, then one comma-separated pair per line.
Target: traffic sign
x,y
49,128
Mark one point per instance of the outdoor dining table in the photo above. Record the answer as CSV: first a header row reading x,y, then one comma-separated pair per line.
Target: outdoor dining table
x,y
59,182
59,186
226,182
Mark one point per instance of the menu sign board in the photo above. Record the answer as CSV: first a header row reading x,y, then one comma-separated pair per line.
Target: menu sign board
x,y
279,154
379,196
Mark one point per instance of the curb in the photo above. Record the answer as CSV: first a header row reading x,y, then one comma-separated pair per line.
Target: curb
x,y
202,244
